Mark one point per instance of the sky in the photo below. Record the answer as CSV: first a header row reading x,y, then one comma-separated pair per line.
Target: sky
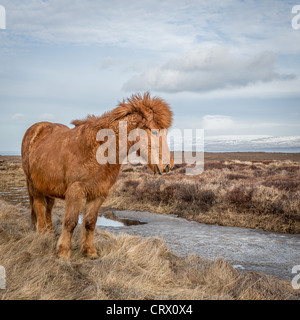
x,y
228,67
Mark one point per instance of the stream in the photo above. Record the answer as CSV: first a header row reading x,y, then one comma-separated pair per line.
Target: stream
x,y
245,249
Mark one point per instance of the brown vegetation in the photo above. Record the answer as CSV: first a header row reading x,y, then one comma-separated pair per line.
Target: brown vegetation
x,y
129,267
255,194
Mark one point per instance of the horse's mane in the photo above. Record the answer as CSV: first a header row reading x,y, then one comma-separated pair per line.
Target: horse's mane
x,y
152,109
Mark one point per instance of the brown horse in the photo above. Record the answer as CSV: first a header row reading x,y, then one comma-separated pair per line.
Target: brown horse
x,y
60,162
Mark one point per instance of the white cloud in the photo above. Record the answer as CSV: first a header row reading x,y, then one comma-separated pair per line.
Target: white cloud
x,y
47,117
142,24
110,62
263,90
18,116
224,124
207,69
72,58
248,26
217,122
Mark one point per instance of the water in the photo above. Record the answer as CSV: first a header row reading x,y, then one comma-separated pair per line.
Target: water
x,y
246,249
15,195
104,222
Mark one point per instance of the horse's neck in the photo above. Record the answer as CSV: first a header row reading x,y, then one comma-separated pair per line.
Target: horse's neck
x,y
122,129
133,121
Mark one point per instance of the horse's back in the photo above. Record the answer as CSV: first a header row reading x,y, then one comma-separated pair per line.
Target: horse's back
x,y
36,133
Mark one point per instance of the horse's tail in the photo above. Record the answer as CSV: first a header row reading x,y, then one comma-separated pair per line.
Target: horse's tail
x,y
30,137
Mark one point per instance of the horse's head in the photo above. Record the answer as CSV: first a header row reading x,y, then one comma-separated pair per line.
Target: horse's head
x,y
152,116
156,119
159,156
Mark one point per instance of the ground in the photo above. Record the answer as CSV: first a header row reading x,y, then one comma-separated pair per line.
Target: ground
x,y
252,193
248,192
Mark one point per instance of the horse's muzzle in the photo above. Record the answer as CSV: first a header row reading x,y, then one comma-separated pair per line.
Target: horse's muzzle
x,y
166,169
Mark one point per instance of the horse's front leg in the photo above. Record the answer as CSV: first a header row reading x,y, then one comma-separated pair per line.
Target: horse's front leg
x,y
88,227
74,200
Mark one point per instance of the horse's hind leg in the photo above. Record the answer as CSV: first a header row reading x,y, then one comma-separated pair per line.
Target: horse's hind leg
x,y
39,208
50,203
33,215
88,227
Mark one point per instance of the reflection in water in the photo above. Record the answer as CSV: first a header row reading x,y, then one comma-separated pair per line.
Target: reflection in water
x,y
104,222
109,219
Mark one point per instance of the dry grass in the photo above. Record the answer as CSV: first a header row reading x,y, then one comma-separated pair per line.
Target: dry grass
x,y
252,194
129,267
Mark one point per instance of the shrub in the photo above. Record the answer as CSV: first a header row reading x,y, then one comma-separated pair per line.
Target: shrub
x,y
240,196
214,165
179,165
205,199
283,184
128,170
233,176
168,194
131,184
291,169
186,192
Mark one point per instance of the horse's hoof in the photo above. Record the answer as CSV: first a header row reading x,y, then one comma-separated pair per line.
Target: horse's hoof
x,y
90,253
92,256
64,253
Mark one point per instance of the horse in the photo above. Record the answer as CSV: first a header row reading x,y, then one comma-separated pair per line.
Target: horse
x,y
61,162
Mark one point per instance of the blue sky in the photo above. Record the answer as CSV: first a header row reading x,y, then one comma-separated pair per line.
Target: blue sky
x,y
230,67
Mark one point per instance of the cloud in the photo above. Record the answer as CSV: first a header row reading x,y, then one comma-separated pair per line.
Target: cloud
x,y
142,24
109,62
47,117
177,25
18,116
224,124
217,122
207,69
